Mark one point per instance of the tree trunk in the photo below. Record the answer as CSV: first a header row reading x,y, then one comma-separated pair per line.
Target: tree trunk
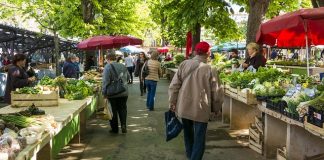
x,y
57,54
163,30
258,8
196,36
87,11
317,3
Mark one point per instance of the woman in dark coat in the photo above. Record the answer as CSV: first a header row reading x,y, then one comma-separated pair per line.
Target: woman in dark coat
x,y
17,76
255,59
138,71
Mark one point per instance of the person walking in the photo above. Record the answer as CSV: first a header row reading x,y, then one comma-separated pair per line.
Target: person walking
x,y
194,94
129,62
69,68
154,74
118,102
138,71
17,76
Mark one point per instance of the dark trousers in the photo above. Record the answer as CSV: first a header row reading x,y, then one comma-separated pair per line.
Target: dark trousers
x,y
119,108
194,137
142,86
151,90
130,71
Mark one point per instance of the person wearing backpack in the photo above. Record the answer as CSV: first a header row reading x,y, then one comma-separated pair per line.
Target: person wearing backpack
x,y
194,93
114,87
151,71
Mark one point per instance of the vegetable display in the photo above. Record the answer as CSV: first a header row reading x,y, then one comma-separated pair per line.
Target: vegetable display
x,y
47,81
77,90
28,90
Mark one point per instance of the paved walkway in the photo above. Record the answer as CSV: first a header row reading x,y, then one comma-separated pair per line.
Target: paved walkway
x,y
145,139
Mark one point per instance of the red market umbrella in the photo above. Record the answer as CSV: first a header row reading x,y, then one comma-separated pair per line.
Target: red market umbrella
x,y
301,28
108,42
289,30
163,50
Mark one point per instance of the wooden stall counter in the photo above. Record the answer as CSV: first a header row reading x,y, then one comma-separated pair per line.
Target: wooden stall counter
x,y
281,131
71,124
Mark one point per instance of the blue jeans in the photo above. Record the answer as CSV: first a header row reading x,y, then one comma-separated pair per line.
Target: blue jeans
x,y
151,89
194,137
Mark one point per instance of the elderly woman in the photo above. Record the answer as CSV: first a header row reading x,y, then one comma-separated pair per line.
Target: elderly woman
x,y
114,70
255,59
17,76
154,74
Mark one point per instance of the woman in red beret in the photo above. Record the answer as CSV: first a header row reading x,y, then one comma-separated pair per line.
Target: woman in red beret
x,y
194,93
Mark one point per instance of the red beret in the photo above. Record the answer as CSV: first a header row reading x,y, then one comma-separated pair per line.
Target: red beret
x,y
202,47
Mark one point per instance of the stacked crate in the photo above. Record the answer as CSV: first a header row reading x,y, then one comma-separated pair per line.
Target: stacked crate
x,y
256,136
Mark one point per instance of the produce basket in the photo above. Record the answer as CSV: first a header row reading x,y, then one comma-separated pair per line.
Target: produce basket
x,y
47,99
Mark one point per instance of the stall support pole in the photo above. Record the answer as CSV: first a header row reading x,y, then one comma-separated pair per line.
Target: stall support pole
x,y
307,52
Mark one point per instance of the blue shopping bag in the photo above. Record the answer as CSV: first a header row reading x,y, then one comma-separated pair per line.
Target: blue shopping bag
x,y
172,125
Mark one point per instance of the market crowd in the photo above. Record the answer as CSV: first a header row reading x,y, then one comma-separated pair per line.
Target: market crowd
x,y
194,93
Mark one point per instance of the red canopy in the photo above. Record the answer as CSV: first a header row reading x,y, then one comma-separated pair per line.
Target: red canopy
x,y
108,42
289,30
163,50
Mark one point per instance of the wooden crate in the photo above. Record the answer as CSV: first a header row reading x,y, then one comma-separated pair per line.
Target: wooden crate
x,y
281,154
255,134
246,97
256,146
232,92
259,124
39,100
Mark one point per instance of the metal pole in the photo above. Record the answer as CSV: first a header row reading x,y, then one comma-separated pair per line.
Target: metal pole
x,y
307,53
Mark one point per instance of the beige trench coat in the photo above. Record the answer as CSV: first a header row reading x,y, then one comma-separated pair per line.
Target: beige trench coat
x,y
196,90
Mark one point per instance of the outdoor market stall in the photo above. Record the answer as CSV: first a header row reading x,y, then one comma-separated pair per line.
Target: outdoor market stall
x,y
68,116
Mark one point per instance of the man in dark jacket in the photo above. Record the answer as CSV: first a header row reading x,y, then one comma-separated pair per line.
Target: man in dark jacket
x,y
69,69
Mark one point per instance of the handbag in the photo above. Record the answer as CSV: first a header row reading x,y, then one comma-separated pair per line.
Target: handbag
x,y
145,70
116,86
172,125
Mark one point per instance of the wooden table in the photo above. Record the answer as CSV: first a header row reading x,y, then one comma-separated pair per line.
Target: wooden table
x,y
281,131
238,114
71,118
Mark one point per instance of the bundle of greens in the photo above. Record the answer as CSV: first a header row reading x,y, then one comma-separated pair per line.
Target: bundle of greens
x,y
268,74
28,90
47,81
179,58
20,121
77,90
318,102
241,80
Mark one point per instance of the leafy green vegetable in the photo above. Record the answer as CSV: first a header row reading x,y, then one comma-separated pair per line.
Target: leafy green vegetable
x,y
28,90
77,89
47,81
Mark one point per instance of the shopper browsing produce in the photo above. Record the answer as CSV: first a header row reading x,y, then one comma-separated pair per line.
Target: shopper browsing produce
x,y
17,76
255,59
69,69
